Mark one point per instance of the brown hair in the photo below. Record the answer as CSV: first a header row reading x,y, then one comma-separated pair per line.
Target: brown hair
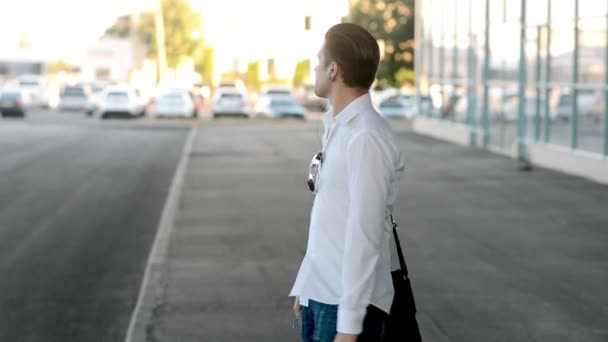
x,y
356,51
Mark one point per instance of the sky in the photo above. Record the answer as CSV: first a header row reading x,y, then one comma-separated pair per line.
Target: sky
x,y
275,29
65,28
59,28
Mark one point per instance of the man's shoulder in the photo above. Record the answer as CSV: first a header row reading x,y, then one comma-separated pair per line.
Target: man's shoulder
x,y
370,124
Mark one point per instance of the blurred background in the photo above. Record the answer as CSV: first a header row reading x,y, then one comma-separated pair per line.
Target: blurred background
x,y
69,55
479,64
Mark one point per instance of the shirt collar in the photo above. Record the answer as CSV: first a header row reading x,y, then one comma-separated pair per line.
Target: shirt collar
x,y
350,111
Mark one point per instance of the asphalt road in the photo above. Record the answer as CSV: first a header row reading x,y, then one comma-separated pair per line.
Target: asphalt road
x,y
80,202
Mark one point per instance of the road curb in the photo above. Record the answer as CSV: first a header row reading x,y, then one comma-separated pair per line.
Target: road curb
x,y
152,286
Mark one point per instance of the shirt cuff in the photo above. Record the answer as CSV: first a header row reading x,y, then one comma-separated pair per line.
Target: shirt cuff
x,y
350,321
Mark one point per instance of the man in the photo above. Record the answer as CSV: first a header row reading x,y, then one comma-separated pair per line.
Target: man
x,y
344,289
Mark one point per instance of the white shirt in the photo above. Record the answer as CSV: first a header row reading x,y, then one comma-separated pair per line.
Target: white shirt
x,y
348,257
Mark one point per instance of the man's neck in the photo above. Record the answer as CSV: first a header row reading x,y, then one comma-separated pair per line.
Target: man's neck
x,y
343,96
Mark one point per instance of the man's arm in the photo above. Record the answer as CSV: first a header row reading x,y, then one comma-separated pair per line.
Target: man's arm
x,y
369,170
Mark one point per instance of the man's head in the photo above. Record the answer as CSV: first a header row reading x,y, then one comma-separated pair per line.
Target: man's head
x,y
349,57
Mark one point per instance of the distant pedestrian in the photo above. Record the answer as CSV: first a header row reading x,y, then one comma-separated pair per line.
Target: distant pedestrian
x,y
344,290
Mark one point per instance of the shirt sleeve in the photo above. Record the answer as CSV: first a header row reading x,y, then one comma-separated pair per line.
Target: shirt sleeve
x,y
369,169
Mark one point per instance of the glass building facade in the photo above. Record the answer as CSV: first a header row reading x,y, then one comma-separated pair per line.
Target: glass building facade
x,y
516,72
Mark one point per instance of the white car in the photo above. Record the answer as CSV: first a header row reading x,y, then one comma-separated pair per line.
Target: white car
x,y
378,96
35,88
94,98
398,106
174,103
74,98
510,108
279,107
121,101
275,91
230,102
307,97
590,103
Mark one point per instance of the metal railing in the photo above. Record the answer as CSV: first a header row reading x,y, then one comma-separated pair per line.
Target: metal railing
x,y
478,85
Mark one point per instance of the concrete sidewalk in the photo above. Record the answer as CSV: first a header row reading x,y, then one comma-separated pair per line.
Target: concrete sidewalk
x,y
494,254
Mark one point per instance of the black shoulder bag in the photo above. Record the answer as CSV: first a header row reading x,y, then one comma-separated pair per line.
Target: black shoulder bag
x,y
402,325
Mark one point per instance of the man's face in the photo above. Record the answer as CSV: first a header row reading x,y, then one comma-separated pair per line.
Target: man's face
x,y
322,69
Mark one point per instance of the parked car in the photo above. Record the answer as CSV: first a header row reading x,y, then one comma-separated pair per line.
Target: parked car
x,y
589,104
174,102
230,102
510,108
380,94
275,91
74,98
276,106
36,90
13,102
97,90
121,101
307,98
398,106
426,106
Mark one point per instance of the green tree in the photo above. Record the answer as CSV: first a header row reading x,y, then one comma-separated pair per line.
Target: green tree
x,y
120,29
252,77
204,66
391,21
272,72
301,73
182,25
57,66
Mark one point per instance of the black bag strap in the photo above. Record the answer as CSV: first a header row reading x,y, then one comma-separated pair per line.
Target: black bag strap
x,y
399,251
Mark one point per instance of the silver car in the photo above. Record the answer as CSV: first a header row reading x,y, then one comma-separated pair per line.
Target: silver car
x,y
74,98
230,102
121,101
275,107
398,106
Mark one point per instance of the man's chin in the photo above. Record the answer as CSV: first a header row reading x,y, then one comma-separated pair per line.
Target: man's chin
x,y
322,95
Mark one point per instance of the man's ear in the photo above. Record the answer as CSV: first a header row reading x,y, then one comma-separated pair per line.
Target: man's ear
x,y
334,69
331,74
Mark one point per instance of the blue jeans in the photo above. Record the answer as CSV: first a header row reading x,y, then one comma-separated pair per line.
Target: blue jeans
x,y
319,323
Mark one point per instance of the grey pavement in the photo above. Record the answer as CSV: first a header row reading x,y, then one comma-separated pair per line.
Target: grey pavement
x,y
79,208
495,254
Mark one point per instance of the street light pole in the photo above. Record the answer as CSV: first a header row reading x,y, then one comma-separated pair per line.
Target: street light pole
x,y
521,122
574,92
485,120
606,95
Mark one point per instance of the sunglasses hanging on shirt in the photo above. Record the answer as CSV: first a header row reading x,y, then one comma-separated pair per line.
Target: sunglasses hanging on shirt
x,y
313,173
